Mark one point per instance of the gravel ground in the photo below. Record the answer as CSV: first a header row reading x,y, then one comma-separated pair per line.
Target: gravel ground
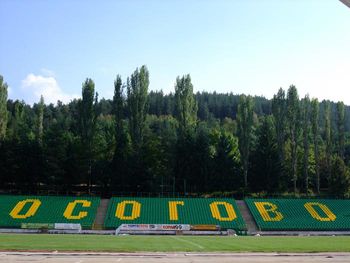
x,y
54,257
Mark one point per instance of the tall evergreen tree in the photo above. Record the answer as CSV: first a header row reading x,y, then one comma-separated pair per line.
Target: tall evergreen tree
x,y
185,104
226,172
118,108
245,125
306,131
341,128
339,182
87,112
87,115
122,151
315,134
265,167
293,114
3,108
279,110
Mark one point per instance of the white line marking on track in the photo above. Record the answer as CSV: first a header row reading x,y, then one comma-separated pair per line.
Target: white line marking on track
x,y
79,261
189,242
119,259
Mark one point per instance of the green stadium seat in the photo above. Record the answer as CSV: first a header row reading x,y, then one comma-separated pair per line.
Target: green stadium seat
x,y
193,211
300,214
15,210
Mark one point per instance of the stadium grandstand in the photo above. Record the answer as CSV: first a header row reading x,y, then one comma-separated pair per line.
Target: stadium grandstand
x,y
251,215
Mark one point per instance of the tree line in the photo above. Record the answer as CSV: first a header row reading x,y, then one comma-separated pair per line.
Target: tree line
x,y
193,144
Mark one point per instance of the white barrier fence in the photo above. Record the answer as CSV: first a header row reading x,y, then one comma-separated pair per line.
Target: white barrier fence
x,y
153,228
65,226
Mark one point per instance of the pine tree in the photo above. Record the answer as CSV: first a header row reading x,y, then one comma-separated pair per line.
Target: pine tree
x,y
122,151
265,167
339,181
87,121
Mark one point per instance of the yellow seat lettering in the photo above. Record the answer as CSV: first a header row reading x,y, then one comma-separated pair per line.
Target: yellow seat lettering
x,y
68,213
15,213
329,214
214,208
173,213
135,213
268,211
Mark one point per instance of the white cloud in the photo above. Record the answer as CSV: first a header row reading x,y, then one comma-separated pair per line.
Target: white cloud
x,y
9,91
36,85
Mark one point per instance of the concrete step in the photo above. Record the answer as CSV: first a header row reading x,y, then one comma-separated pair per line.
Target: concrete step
x,y
97,227
247,216
101,214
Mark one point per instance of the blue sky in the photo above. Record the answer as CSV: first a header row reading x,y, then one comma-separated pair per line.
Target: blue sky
x,y
252,47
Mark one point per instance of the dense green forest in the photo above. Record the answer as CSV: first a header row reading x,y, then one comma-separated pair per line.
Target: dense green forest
x,y
177,143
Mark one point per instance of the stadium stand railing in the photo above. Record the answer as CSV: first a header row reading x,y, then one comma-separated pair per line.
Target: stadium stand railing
x,y
301,214
18,210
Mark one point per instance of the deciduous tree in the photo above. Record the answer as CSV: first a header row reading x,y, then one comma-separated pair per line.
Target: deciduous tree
x,y
305,110
40,120
137,90
341,128
3,108
185,104
315,135
279,110
327,137
293,116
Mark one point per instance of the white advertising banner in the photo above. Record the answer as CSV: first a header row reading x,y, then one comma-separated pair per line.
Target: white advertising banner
x,y
155,227
64,226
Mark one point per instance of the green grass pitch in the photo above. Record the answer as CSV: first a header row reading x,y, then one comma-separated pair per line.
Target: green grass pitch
x,y
44,242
